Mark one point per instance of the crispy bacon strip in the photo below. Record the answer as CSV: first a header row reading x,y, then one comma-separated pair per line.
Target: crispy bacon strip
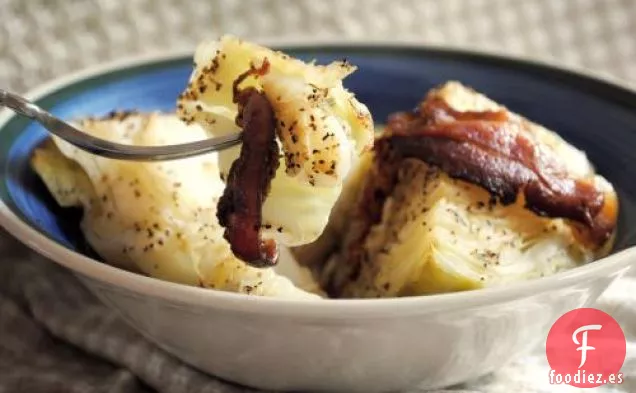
x,y
492,150
248,182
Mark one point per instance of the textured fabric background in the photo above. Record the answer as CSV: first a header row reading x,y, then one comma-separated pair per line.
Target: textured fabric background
x,y
41,39
55,337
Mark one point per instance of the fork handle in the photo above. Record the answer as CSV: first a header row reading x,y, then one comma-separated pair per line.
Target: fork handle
x,y
104,148
20,105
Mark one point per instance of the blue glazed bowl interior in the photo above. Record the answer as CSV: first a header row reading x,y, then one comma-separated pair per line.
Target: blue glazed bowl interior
x,y
593,116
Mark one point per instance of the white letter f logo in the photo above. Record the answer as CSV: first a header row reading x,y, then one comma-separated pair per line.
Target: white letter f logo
x,y
584,347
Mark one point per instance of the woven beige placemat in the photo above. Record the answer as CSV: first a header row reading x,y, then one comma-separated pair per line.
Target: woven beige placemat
x,y
42,39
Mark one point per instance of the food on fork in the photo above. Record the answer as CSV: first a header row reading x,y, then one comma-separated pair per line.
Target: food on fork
x,y
156,218
319,130
462,194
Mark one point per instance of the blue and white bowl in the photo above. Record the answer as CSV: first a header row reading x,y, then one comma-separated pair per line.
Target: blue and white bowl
x,y
338,345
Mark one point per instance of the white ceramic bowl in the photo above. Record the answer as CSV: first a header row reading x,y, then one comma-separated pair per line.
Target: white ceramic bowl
x,y
334,345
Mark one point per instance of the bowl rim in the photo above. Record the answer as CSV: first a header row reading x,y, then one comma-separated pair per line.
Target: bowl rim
x,y
616,263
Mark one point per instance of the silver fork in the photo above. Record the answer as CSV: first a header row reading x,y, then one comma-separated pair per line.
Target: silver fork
x,y
108,149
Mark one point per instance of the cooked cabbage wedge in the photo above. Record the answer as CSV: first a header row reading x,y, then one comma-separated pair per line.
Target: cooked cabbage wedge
x,y
158,218
322,129
439,234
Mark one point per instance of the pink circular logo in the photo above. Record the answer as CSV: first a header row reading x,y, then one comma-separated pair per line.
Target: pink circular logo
x,y
586,348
